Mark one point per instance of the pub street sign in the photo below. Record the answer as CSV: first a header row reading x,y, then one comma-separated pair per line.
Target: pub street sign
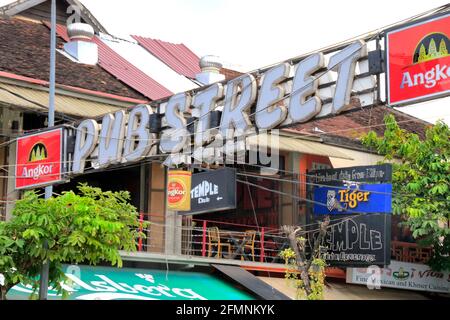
x,y
282,95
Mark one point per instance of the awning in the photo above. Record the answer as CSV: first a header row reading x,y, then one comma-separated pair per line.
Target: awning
x,y
360,158
38,100
251,282
343,291
107,283
292,144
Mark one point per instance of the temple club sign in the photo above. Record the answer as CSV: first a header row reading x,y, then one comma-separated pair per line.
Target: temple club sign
x,y
418,61
39,159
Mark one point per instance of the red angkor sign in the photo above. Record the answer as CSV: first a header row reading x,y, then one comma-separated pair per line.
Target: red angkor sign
x,y
418,61
39,159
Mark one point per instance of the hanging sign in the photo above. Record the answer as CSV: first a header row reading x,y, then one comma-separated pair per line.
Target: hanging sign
x,y
213,190
178,190
358,201
418,61
360,240
367,198
129,136
39,159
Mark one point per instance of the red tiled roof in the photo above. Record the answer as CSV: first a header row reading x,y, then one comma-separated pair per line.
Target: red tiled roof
x,y
176,56
24,51
353,125
230,74
128,73
122,69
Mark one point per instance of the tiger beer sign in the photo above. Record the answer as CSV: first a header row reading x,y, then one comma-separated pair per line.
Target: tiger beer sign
x,y
39,159
418,61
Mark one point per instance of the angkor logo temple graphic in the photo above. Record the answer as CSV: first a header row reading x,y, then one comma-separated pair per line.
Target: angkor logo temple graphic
x,y
434,45
38,152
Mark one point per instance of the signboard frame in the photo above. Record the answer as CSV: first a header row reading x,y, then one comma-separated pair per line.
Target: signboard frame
x,y
229,183
402,27
62,158
374,174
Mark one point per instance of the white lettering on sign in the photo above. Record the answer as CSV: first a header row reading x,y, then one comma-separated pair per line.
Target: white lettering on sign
x,y
87,137
286,95
36,172
267,115
302,109
205,188
240,95
344,62
111,139
138,140
428,79
173,139
205,101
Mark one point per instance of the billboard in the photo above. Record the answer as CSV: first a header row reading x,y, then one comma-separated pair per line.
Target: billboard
x,y
358,201
366,198
358,240
418,61
39,159
213,190
401,275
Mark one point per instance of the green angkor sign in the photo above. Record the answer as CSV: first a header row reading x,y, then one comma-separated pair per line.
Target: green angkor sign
x,y
106,283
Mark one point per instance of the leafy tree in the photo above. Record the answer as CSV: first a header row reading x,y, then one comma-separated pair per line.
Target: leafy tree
x,y
89,227
421,180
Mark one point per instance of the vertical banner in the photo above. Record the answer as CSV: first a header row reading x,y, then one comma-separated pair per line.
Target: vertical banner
x,y
179,190
39,159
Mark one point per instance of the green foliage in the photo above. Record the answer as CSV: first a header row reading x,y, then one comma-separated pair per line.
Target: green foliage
x,y
89,227
421,180
316,275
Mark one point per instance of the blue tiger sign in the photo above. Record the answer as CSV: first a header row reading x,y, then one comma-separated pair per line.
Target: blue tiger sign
x,y
367,198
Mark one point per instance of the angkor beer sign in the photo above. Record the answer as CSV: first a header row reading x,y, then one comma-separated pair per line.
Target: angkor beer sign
x,y
283,94
39,159
418,61
178,188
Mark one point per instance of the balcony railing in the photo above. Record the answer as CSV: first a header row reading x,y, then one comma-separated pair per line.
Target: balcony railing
x,y
410,252
226,240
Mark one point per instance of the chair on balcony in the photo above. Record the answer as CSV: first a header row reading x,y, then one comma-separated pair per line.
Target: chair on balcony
x,y
215,241
249,238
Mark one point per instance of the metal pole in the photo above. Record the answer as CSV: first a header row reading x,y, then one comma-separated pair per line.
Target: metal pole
x,y
43,285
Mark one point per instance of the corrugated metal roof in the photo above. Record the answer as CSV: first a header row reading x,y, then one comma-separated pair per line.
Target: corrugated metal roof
x,y
122,69
150,64
38,100
177,56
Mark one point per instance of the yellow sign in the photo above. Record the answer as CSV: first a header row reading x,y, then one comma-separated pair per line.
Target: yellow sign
x,y
352,197
179,190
